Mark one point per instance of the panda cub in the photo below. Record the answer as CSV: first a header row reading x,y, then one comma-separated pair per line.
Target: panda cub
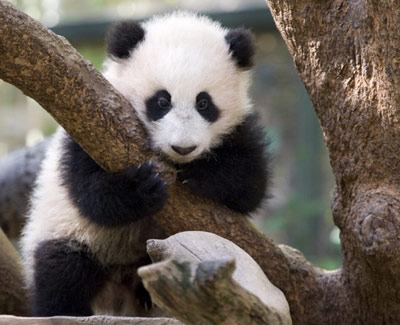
x,y
188,80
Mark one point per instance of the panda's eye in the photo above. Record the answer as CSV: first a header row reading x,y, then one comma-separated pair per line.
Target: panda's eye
x,y
163,103
202,104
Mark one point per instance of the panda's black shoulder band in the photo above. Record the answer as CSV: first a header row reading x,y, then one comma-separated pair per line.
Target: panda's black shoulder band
x,y
122,38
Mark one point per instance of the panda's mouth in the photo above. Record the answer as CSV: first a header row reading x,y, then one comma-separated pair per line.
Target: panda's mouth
x,y
177,158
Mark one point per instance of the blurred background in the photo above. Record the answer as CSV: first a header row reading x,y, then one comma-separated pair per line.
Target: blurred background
x,y
298,214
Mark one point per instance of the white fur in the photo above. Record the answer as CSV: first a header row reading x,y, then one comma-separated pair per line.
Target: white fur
x,y
52,216
184,54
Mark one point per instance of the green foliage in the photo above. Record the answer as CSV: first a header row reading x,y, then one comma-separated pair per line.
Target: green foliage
x,y
94,53
306,225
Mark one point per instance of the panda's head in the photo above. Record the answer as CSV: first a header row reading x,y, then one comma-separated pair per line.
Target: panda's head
x,y
187,78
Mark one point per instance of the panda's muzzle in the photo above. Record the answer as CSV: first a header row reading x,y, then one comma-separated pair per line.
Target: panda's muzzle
x,y
183,150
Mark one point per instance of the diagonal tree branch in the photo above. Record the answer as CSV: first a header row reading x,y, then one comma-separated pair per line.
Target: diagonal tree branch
x,y
45,67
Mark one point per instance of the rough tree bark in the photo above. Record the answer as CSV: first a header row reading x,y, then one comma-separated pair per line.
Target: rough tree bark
x,y
347,54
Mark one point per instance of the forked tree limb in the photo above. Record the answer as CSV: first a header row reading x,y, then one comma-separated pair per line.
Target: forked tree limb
x,y
201,279
347,54
204,293
45,67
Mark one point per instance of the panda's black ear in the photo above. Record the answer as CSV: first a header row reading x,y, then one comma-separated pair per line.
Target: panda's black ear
x,y
242,47
123,38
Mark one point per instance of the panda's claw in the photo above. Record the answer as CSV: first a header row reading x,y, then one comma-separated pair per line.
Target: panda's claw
x,y
183,174
140,172
148,189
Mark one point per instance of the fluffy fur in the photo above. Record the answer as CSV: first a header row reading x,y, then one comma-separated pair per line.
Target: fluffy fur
x,y
188,79
199,59
70,270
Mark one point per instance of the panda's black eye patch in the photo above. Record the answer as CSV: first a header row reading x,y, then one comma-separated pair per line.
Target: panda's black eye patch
x,y
158,105
206,107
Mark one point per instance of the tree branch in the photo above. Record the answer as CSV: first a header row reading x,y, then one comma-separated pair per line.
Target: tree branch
x,y
12,294
204,293
48,69
196,281
93,320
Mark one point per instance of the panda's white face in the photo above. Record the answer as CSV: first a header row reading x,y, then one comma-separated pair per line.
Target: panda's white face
x,y
184,85
182,128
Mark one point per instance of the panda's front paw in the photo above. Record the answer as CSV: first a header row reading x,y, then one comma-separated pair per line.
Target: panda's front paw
x,y
193,179
149,191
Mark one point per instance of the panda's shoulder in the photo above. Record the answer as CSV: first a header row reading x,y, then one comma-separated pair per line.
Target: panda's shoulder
x,y
249,134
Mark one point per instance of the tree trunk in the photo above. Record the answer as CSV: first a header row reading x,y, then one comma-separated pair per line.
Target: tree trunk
x,y
348,56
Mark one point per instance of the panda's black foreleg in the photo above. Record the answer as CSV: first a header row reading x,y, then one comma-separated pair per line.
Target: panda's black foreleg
x,y
110,199
234,182
66,278
235,173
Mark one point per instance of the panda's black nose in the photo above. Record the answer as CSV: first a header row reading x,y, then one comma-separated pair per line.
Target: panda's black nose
x,y
183,150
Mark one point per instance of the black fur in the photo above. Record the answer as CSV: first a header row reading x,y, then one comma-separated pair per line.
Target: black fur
x,y
234,173
110,199
211,113
66,278
154,112
242,47
123,38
